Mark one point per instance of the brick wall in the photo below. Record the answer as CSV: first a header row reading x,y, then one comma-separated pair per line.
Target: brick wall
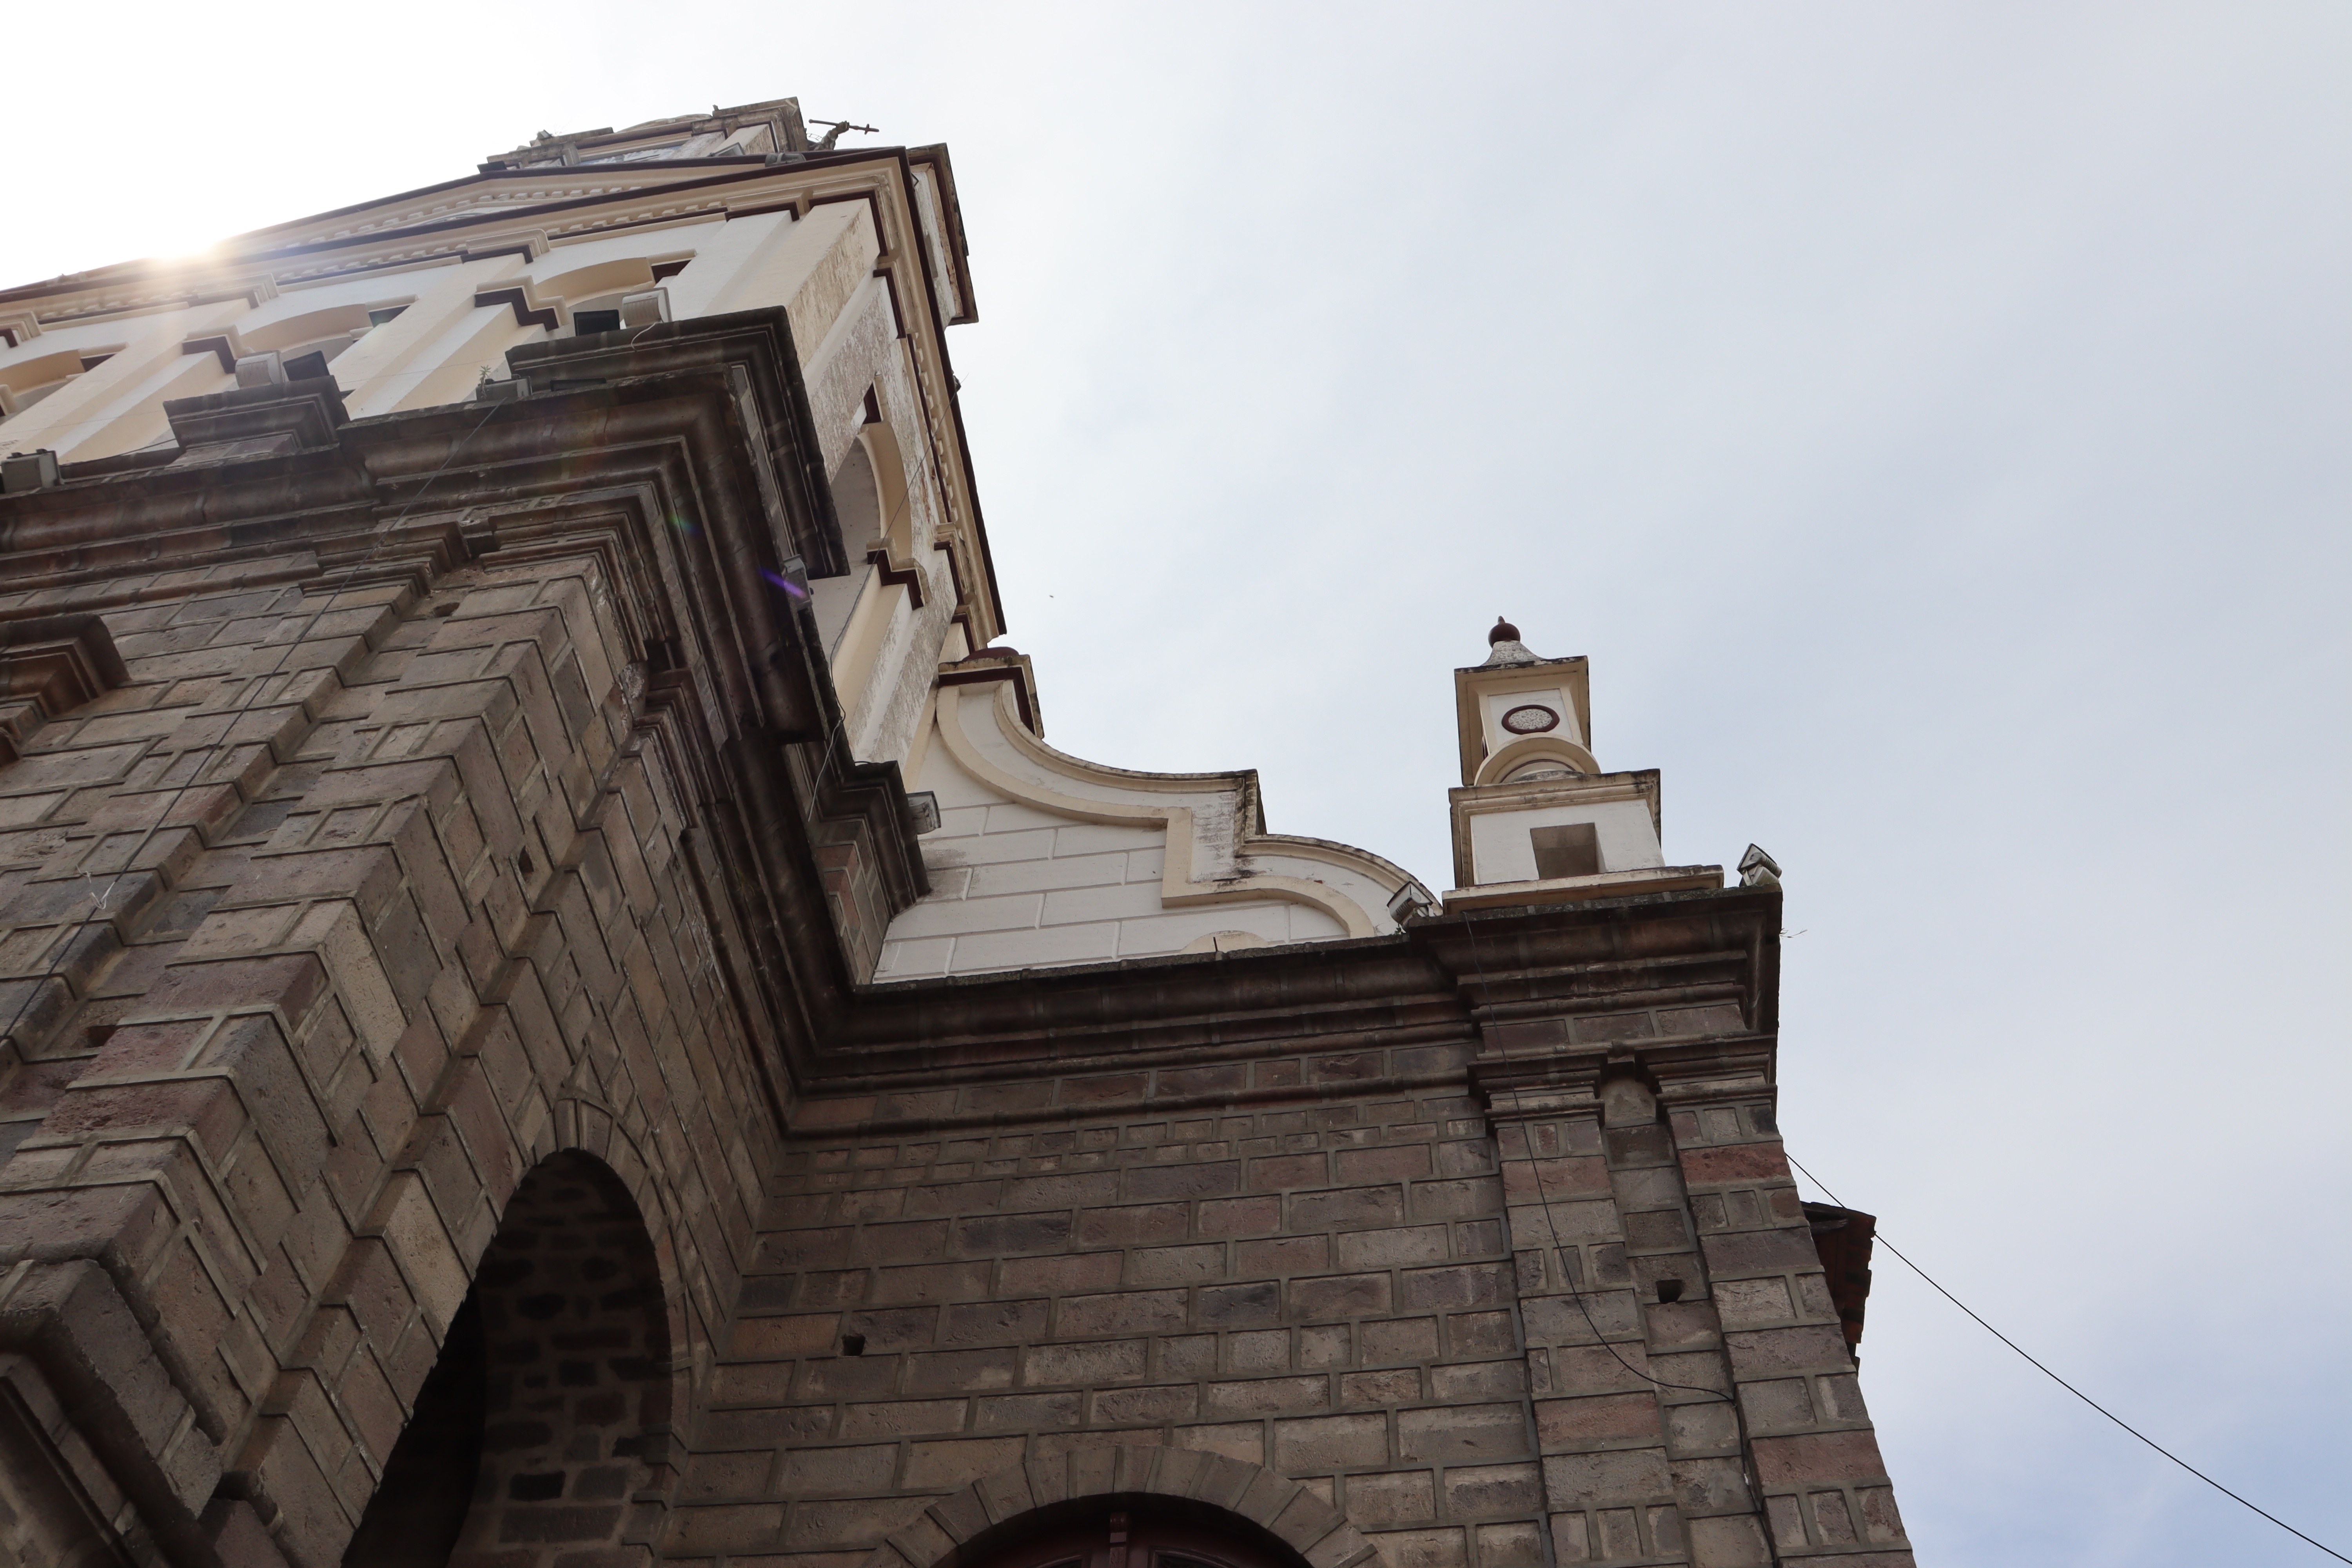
x,y
536,846
1319,1286
417,911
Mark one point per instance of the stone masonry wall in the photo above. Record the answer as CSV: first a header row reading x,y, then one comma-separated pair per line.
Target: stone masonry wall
x,y
1646,1455
425,905
419,909
1321,1287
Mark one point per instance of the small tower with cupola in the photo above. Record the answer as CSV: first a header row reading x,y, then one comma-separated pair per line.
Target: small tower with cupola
x,y
1536,820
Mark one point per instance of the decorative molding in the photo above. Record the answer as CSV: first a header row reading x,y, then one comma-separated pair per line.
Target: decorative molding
x,y
227,345
528,311
1180,886
51,664
899,574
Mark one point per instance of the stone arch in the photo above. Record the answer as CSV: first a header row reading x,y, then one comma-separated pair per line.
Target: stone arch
x,y
1529,748
893,501
961,1529
558,1376
858,500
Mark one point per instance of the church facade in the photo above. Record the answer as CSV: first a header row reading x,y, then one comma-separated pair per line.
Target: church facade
x,y
561,1011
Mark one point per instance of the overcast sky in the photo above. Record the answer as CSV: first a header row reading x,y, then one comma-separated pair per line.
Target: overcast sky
x,y
1930,418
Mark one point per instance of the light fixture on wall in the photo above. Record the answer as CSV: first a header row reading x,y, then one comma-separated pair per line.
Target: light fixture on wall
x,y
923,806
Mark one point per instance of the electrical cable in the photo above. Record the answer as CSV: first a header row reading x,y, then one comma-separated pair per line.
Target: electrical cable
x,y
350,574
1880,1240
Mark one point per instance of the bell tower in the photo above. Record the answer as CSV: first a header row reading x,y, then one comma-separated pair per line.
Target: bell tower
x,y
1536,820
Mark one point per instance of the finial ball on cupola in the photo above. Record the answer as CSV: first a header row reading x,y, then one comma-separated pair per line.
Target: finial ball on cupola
x,y
1504,632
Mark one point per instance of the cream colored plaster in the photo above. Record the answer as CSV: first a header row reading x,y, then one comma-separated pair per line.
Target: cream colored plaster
x,y
911,766
609,217
1015,887
804,254
1535,748
309,314
855,354
1224,941
1483,693
1579,890
1502,850
1210,868
454,363
926,216
382,371
119,405
897,695
879,604
737,246
583,268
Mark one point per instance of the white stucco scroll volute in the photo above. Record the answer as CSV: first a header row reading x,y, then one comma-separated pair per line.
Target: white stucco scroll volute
x,y
1207,824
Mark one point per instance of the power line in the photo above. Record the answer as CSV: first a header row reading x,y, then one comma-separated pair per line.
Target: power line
x,y
1880,1238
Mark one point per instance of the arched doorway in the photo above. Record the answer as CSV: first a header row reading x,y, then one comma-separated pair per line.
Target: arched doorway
x,y
549,1406
1122,1532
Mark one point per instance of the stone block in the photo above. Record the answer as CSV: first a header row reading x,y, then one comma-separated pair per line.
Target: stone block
x,y
1124,1313
1142,1224
1174,1265
1815,1457
1478,1379
1399,1339
1241,1216
1061,1272
1029,1412
1727,1541
1515,1545
1492,1491
1267,1396
1389,1248
1435,1548
1097,1361
1629,1476
903,1418
1397,1386
1348,1207
1208,1180
1239,1305
1407,1497
1286,1255
1147,1406
807,1471
1322,1444
1401,1163
1462,1434
993,1235
1340,1296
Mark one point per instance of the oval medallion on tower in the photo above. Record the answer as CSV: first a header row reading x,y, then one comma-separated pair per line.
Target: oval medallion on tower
x,y
1530,719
